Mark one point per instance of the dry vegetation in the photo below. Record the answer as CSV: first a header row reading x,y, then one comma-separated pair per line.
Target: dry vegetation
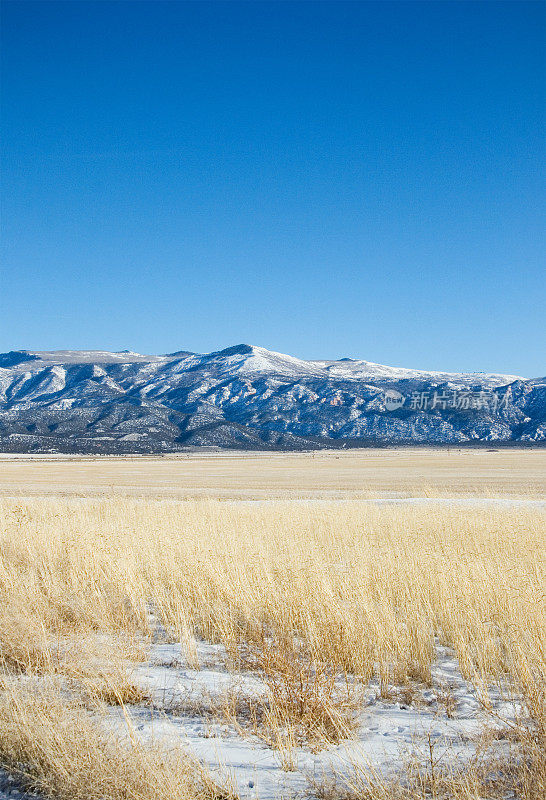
x,y
59,750
341,473
310,596
519,773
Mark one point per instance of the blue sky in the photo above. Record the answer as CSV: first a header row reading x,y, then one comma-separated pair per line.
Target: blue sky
x,y
324,179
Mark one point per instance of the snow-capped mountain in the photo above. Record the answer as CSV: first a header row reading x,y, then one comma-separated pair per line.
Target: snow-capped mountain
x,y
245,396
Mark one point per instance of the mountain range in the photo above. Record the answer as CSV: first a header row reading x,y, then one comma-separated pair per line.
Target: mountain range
x,y
249,397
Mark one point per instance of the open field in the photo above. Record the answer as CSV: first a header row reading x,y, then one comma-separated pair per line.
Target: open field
x,y
413,472
159,647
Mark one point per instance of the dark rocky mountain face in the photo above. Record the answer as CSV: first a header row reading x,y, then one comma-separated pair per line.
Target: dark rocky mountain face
x,y
249,397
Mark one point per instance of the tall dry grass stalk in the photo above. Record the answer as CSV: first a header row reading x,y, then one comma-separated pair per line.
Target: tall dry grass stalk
x,y
58,750
299,591
364,587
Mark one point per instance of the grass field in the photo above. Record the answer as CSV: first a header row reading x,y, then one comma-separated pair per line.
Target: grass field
x,y
283,475
160,647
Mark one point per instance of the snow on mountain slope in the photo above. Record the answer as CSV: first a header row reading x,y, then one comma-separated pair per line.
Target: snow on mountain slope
x,y
253,397
249,359
92,357
367,369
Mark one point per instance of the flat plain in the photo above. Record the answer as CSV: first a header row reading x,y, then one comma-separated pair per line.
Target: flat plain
x,y
360,625
237,475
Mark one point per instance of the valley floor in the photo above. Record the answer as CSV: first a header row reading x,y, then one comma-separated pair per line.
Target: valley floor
x,y
326,474
369,627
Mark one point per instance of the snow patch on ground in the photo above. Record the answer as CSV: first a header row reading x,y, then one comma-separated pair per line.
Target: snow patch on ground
x,y
10,790
389,731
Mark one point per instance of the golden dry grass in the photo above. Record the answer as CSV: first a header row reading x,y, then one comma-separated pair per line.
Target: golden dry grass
x,y
57,749
297,591
352,473
359,585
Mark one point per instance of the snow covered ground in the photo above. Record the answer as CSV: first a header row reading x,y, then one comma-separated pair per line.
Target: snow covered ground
x,y
389,732
9,790
447,716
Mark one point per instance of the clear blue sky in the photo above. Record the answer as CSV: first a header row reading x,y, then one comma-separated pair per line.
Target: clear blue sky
x,y
324,179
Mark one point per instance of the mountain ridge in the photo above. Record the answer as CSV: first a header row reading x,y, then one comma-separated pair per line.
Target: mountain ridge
x,y
248,396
